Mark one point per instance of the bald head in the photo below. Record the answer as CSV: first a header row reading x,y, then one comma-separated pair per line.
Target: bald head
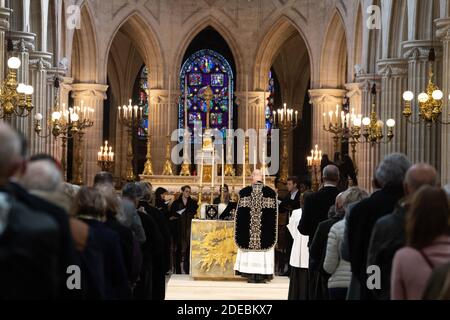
x,y
420,175
331,174
10,152
257,176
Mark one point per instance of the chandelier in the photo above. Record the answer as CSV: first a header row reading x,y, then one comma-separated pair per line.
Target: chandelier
x,y
371,128
15,98
430,101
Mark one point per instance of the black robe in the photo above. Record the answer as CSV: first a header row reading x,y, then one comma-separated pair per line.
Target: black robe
x,y
256,218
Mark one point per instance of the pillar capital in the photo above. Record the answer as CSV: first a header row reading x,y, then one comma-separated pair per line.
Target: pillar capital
x,y
254,97
393,67
5,13
327,96
160,96
89,91
443,29
419,49
353,89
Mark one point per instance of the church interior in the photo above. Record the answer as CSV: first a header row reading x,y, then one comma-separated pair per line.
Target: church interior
x,y
198,102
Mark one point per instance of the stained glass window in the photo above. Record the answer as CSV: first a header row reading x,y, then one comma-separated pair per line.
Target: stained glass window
x,y
207,68
143,101
270,107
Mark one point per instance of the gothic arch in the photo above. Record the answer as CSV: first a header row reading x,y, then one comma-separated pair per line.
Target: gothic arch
x,y
269,47
358,37
84,60
140,33
224,32
334,58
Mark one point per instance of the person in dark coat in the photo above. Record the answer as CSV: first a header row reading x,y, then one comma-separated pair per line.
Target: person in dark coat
x,y
41,183
152,248
318,204
183,211
317,251
30,251
363,216
288,204
161,265
388,234
103,259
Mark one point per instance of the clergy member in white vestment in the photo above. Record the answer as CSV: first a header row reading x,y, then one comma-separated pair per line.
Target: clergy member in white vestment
x,y
256,231
298,281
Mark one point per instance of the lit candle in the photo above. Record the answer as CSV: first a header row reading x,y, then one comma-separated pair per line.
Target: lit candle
x,y
296,117
99,156
230,103
274,116
243,167
118,114
255,159
246,103
264,164
135,112
212,171
201,171
170,106
223,166
331,116
185,103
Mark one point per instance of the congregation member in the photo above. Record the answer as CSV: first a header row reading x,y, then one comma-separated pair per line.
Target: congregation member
x,y
182,212
333,264
103,259
361,219
286,205
162,264
29,238
152,248
299,258
318,277
388,234
427,244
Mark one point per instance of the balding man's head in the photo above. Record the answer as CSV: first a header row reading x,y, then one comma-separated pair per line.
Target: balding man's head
x,y
257,176
330,174
10,153
420,175
42,175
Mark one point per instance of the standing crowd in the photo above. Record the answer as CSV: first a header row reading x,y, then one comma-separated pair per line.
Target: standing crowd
x,y
393,244
60,241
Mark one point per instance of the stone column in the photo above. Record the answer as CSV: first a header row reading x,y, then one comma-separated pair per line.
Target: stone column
x,y
355,95
93,96
424,142
323,101
159,111
394,81
443,33
4,26
369,156
256,109
39,63
23,44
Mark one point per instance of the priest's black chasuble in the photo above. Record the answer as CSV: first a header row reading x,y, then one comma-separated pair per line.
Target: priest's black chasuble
x,y
256,218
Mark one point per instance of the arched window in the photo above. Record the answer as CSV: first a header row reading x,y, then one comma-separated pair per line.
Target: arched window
x,y
142,100
203,69
270,107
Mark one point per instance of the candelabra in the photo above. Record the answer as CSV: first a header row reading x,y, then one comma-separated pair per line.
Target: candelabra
x,y
371,127
314,162
337,125
83,121
105,157
430,102
148,167
130,117
15,99
285,120
167,169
